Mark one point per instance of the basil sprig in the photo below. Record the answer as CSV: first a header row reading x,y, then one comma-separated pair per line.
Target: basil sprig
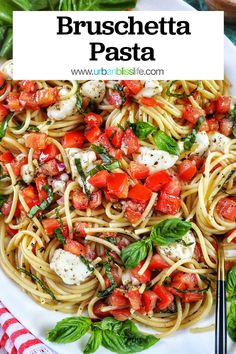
x,y
231,297
109,162
59,235
142,129
232,117
44,204
191,138
180,95
166,143
162,234
231,284
231,321
113,285
3,125
82,175
120,337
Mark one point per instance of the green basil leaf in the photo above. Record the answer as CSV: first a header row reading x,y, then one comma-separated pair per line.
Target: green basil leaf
x,y
33,128
232,117
135,253
44,204
231,284
109,323
166,143
191,138
69,329
109,167
94,342
82,175
3,125
59,235
142,129
169,231
2,200
180,95
231,322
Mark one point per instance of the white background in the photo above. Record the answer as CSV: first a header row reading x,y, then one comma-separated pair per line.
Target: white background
x,y
39,53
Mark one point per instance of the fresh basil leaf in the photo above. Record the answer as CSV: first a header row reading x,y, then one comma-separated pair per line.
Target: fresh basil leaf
x,y
109,323
135,253
102,152
69,329
232,117
231,284
2,200
169,231
109,167
106,292
142,129
108,5
59,235
191,138
166,143
33,128
231,322
180,95
94,342
3,125
82,175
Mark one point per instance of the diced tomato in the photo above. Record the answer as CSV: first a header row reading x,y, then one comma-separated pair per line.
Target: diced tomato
x,y
6,208
134,86
50,225
97,309
213,124
118,184
11,232
149,299
210,107
226,126
226,207
134,210
192,114
49,168
13,101
3,83
173,187
198,253
157,263
74,247
145,277
168,204
30,196
79,229
229,233
73,139
28,85
151,102
104,141
27,100
138,170
157,180
118,299
115,135
130,143
3,112
223,104
6,157
140,193
92,133
36,141
192,297
109,197
187,170
93,119
79,200
90,252
40,182
204,127
49,153
95,200
46,97
16,165
189,280
99,180
135,299
115,99
199,161
121,314
165,296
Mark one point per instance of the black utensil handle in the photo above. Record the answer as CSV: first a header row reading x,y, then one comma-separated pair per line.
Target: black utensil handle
x,y
221,319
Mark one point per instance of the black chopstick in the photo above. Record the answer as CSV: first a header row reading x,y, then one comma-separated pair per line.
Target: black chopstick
x,y
221,318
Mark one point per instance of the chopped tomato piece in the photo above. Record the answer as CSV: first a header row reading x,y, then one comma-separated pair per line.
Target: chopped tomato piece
x,y
138,170
95,200
130,143
210,107
140,193
149,299
134,86
6,157
199,161
213,124
134,210
50,225
104,141
192,297
97,309
223,104
79,200
173,187
187,170
49,153
157,180
93,119
13,101
115,135
226,126
117,298
30,196
158,263
188,279
6,208
165,296
16,165
46,97
92,133
27,100
49,168
99,180
145,277
135,299
11,232
192,114
36,141
118,184
151,102
79,229
40,181
3,112
121,314
115,99
73,139
198,253
168,204
28,85
229,233
226,207
74,247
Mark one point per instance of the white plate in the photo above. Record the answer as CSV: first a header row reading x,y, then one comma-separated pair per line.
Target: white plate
x,y
38,320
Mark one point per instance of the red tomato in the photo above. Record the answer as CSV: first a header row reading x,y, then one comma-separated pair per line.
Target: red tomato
x,y
223,104
213,124
140,193
226,207
79,229
11,232
134,210
192,114
3,83
173,187
149,299
138,170
95,200
189,280
115,135
73,139
210,107
135,299
6,157
129,144
17,164
28,85
3,112
46,97
104,141
198,255
118,299
187,170
151,102
74,247
228,234
118,184
134,86
79,200
192,297
199,161
50,225
97,309
168,204
30,196
93,119
6,208
40,182
116,273
49,168
157,180
145,277
121,314
36,141
99,180
115,99
13,102
204,127
92,133
49,153
27,100
226,126
165,296
158,263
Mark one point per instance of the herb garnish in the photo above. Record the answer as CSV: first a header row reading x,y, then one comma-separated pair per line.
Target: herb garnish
x,y
3,125
191,138
44,204
82,175
180,95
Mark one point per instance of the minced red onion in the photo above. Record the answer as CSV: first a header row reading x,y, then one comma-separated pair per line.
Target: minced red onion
x,y
60,201
61,167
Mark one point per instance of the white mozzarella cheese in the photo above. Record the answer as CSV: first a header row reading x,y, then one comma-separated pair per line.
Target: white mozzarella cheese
x,y
94,90
63,108
219,142
26,174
